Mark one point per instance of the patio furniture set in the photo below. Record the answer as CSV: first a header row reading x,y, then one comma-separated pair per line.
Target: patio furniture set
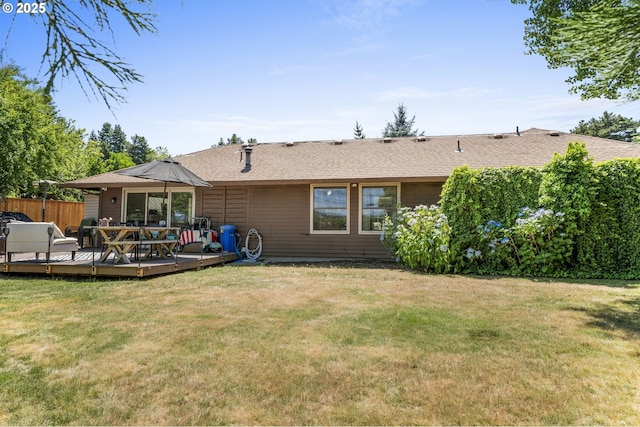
x,y
123,242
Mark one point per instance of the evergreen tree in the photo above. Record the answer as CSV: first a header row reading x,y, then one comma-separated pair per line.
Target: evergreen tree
x,y
358,132
73,50
611,126
118,142
401,126
139,149
235,139
597,39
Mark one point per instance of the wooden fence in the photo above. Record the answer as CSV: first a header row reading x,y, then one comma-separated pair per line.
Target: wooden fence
x,y
62,213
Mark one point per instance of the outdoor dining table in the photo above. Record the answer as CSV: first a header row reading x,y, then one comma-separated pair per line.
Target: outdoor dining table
x,y
161,240
120,240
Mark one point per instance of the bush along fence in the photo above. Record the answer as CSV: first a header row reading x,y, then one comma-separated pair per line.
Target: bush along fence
x,y
571,218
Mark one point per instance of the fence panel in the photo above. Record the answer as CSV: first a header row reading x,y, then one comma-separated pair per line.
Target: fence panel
x,y
62,213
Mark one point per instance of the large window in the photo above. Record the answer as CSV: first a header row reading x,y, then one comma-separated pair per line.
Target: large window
x,y
376,201
330,213
150,208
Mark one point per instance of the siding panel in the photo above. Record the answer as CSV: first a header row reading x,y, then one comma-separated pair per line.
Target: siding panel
x,y
281,214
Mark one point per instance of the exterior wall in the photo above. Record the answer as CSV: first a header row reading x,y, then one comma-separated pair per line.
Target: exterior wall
x,y
108,209
281,214
421,193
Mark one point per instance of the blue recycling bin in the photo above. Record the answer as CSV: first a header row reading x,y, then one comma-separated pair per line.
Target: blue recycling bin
x,y
228,237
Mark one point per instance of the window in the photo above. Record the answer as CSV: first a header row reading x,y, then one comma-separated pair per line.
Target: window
x,y
376,202
149,208
181,208
330,213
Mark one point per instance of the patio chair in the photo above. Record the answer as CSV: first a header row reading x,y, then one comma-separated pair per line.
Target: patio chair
x,y
38,237
80,232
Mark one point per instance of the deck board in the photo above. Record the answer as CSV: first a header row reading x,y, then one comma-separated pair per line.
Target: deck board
x,y
86,264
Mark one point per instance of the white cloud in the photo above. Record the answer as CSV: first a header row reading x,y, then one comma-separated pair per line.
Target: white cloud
x,y
366,14
410,92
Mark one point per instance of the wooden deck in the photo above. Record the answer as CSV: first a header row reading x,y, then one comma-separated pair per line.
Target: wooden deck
x,y
86,264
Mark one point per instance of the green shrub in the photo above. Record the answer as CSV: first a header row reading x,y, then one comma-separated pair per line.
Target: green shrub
x,y
589,226
419,238
569,185
475,196
535,245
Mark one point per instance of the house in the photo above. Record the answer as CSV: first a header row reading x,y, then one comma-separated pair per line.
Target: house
x,y
326,198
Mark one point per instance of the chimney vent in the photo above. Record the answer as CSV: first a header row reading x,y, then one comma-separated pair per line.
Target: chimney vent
x,y
247,159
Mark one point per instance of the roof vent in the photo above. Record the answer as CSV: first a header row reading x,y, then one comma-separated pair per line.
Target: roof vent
x,y
421,138
337,142
554,133
458,150
498,136
387,140
289,144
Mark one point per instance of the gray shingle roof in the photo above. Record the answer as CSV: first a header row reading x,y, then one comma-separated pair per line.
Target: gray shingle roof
x,y
429,158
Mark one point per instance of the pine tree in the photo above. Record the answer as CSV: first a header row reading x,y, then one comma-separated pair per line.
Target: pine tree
x,y
358,132
400,127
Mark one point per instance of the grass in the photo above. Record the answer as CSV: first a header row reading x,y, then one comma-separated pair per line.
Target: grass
x,y
318,345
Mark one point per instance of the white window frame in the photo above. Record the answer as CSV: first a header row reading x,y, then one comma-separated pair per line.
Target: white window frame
x,y
360,204
147,190
348,207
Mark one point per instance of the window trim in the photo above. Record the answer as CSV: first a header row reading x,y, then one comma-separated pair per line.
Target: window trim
x,y
360,207
147,190
341,185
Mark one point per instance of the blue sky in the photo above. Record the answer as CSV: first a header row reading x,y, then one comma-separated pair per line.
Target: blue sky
x,y
295,70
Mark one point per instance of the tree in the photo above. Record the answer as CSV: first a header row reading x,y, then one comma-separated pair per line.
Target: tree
x,y
112,140
118,161
358,132
139,149
401,126
611,126
72,49
36,143
598,39
235,139
159,153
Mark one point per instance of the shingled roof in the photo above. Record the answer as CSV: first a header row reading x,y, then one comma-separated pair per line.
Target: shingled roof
x,y
399,159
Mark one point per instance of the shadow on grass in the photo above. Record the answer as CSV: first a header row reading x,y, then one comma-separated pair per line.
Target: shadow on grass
x,y
624,317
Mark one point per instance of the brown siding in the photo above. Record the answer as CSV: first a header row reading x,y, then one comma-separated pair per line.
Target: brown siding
x,y
420,193
236,208
281,214
213,205
108,209
282,217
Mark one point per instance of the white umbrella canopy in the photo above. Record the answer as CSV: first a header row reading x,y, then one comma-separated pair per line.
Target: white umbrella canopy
x,y
167,170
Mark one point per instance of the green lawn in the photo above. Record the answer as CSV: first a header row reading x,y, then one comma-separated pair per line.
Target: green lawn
x,y
318,345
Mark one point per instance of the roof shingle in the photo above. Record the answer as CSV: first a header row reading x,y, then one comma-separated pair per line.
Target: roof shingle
x,y
430,158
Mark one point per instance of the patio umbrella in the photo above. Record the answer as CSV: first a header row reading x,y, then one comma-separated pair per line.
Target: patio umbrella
x,y
167,170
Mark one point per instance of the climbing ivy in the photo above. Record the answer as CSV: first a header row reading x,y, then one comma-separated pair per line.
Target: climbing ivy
x,y
571,218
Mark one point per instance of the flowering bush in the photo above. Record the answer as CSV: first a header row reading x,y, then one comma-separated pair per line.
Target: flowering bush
x,y
419,238
535,245
542,245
